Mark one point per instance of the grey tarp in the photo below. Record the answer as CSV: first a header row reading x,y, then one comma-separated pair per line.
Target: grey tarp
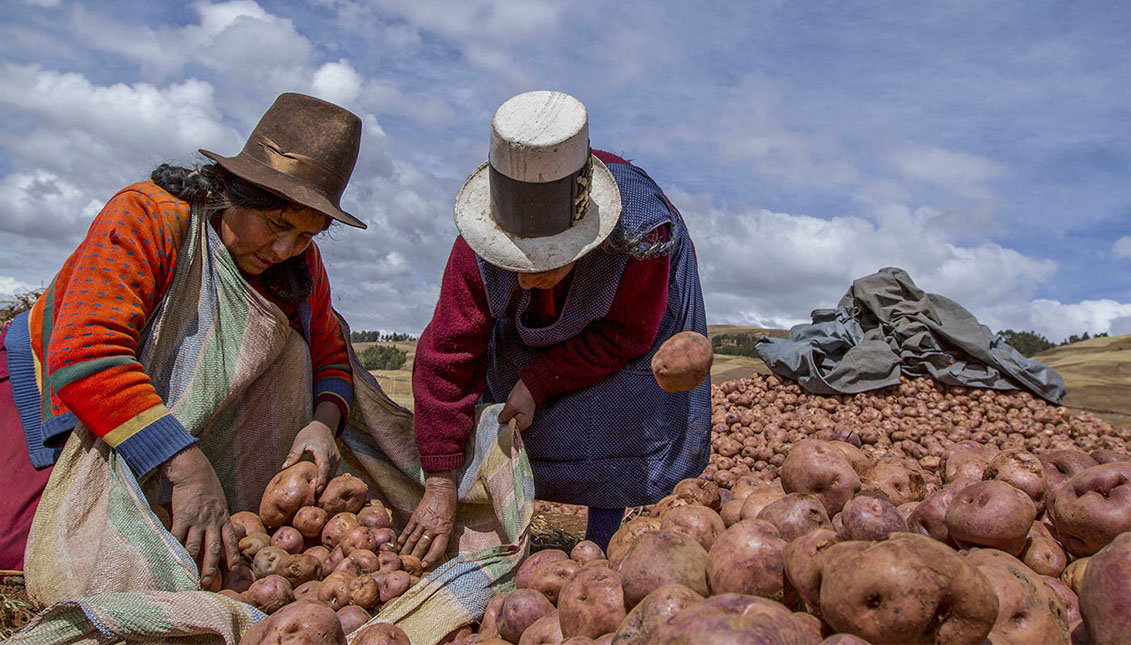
x,y
885,325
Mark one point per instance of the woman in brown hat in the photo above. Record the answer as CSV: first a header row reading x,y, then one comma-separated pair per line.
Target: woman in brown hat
x,y
570,271
73,358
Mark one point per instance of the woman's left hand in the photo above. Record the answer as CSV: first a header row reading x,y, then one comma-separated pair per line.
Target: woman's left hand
x,y
316,440
519,406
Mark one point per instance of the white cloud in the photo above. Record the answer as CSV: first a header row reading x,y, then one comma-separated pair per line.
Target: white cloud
x,y
10,287
1122,247
963,173
1057,321
337,83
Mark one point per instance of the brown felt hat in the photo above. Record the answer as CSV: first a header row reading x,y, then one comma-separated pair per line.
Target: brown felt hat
x,y
303,149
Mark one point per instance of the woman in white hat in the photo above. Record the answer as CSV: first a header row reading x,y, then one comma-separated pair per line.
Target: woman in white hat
x,y
73,358
571,269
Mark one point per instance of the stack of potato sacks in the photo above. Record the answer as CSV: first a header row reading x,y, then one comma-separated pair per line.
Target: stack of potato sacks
x,y
319,565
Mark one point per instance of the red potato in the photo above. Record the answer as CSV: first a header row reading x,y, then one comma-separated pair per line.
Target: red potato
x,y
668,503
366,560
550,577
288,491
1024,471
533,561
1109,456
231,594
859,460
547,630
966,459
653,612
699,491
247,523
586,551
388,561
394,584
731,512
359,537
929,517
375,516
352,617
735,618
748,558
991,513
756,500
1105,592
250,545
844,639
305,621
308,590
898,480
869,518
696,522
310,520
348,566
1029,611
337,527
682,362
1042,553
343,494
1073,574
591,603
365,592
381,634
288,539
817,468
267,560
907,588
489,625
299,568
657,558
335,589
747,484
270,594
412,565
331,562
1061,465
805,559
1071,600
319,552
795,515
624,537
520,609
1093,507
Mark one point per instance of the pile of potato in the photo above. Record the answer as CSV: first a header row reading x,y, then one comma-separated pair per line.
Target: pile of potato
x,y
319,564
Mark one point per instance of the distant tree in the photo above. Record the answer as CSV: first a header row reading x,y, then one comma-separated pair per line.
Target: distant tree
x,y
20,303
382,357
740,344
1028,343
377,336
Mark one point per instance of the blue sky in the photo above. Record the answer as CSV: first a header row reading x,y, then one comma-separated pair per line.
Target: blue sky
x,y
982,147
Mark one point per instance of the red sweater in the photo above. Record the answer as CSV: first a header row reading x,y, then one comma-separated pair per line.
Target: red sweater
x,y
449,372
101,300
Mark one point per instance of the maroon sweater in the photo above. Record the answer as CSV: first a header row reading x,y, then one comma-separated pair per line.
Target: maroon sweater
x,y
449,371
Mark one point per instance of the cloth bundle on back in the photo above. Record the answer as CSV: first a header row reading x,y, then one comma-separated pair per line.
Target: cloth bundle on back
x,y
884,326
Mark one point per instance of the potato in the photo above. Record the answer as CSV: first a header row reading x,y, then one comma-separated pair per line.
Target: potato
x,y
1109,456
731,512
929,517
795,515
805,558
966,459
1061,465
748,558
359,537
331,562
748,484
586,551
533,561
1105,592
735,618
251,544
288,539
869,518
412,565
352,617
388,561
270,593
859,460
381,634
696,522
898,480
304,621
394,584
319,552
758,499
310,520
232,594
657,558
343,494
844,639
549,577
592,603
308,590
247,523
626,535
1042,553
598,563
817,468
288,491
267,561
237,577
1024,471
375,516
907,588
991,513
682,362
668,503
1028,610
653,612
520,609
699,491
1071,600
547,630
1073,574
365,592
1093,507
367,561
335,590
299,568
337,527
489,625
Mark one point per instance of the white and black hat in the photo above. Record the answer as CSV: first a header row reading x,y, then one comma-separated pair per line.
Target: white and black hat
x,y
542,200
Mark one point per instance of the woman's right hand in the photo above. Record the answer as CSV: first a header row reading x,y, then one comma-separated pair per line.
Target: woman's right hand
x,y
430,528
200,514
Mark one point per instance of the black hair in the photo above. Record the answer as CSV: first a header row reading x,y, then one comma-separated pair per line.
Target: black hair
x,y
210,189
